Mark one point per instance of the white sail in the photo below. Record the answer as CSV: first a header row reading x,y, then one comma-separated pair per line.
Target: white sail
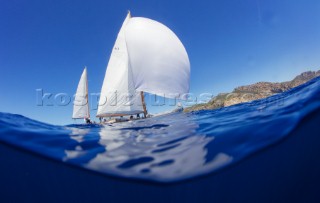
x,y
149,57
81,105
159,61
118,94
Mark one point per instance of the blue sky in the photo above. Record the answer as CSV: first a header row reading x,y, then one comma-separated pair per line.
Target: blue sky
x,y
45,44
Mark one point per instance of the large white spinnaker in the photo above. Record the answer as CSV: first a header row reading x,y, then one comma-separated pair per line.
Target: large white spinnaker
x,y
118,94
159,61
80,104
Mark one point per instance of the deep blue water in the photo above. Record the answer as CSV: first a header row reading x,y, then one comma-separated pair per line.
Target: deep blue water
x,y
172,147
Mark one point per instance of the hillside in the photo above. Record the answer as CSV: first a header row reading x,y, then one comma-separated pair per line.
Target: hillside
x,y
252,92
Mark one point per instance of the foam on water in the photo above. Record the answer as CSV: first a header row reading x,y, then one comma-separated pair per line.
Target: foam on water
x,y
170,147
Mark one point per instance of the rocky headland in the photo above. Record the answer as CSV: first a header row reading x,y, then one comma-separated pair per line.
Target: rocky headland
x,y
253,92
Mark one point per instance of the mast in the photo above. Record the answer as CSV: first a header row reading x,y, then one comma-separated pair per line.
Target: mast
x,y
145,112
87,93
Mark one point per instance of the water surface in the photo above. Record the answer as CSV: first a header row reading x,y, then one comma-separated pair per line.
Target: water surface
x,y
171,147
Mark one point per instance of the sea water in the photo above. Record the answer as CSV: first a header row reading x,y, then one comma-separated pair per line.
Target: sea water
x,y
170,147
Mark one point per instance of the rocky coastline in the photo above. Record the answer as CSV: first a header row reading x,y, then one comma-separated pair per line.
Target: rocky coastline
x,y
252,92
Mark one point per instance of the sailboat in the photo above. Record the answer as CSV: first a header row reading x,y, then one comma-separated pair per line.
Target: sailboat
x,y
147,57
81,103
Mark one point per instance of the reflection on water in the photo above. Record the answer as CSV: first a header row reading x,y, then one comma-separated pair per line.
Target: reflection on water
x,y
78,135
140,151
143,149
169,147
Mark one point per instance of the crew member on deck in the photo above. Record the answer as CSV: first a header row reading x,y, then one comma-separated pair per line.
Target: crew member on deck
x,y
88,121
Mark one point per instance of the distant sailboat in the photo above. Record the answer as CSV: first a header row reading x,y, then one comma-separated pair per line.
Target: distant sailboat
x,y
147,57
81,103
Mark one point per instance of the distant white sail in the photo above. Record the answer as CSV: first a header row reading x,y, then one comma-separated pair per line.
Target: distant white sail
x,y
159,61
81,105
118,93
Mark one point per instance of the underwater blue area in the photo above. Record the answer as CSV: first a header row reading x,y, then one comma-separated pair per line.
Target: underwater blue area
x,y
172,147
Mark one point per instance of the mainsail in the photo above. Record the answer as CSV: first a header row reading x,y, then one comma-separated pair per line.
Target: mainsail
x,y
118,95
81,105
147,57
